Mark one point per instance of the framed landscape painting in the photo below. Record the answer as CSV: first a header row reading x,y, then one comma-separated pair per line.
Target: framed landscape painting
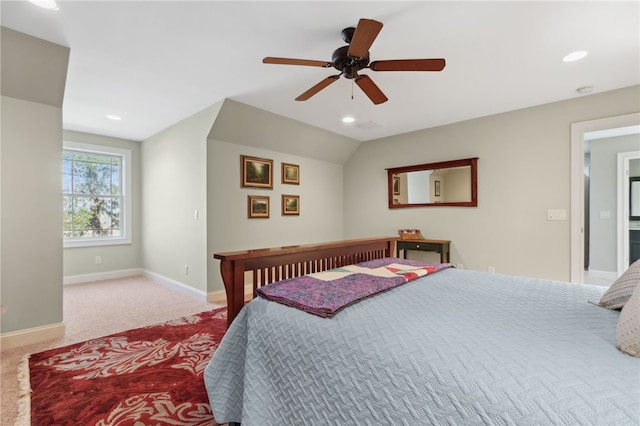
x,y
291,174
256,172
258,206
290,205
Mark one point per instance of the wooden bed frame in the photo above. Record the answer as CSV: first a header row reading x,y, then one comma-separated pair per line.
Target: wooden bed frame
x,y
274,264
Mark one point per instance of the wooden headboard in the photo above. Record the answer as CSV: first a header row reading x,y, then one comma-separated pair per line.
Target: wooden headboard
x,y
278,263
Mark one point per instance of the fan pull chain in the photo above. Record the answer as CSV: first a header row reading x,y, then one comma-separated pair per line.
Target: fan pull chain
x,y
352,88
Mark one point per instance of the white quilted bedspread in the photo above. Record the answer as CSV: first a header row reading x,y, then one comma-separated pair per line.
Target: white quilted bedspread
x,y
454,348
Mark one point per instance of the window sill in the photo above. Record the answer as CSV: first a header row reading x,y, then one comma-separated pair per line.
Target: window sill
x,y
96,242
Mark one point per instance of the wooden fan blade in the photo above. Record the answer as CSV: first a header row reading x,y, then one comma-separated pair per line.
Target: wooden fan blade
x,y
408,65
289,61
366,32
318,87
370,89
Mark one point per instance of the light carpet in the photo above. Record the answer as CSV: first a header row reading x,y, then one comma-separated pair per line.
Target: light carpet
x,y
99,309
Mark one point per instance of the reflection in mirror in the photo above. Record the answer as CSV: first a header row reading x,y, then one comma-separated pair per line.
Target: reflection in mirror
x,y
447,183
634,198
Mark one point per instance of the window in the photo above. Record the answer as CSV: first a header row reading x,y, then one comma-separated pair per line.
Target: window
x,y
96,189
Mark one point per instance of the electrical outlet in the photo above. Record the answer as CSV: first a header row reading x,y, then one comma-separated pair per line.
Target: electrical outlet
x,y
492,269
186,269
98,260
460,266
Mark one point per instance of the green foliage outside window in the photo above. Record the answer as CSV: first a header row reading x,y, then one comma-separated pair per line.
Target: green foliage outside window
x,y
92,194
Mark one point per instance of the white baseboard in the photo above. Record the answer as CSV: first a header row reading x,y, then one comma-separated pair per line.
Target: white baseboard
x,y
176,285
218,297
30,336
101,276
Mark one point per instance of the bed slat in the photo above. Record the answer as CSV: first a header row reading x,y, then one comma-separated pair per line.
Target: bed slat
x,y
277,263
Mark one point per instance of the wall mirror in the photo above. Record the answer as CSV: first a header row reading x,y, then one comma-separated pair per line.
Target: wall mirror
x,y
447,183
634,198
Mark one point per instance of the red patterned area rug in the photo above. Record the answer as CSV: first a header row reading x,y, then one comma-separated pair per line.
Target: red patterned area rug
x,y
146,376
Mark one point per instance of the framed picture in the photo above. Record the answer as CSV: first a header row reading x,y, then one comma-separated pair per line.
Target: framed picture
x,y
291,174
257,172
258,206
290,205
436,188
396,185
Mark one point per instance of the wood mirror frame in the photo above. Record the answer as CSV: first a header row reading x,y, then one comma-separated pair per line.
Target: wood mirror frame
x,y
394,176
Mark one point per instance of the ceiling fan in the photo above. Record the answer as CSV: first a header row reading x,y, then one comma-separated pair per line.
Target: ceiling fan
x,y
355,57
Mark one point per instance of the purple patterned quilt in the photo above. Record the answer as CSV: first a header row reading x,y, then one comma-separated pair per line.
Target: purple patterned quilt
x,y
326,293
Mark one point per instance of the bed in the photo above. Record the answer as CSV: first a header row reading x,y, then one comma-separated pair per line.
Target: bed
x,y
451,347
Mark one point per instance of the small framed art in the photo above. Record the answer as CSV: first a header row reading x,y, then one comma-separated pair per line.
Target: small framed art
x,y
258,206
436,188
290,205
256,172
291,174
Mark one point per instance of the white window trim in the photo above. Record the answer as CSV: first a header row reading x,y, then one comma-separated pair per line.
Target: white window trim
x,y
126,218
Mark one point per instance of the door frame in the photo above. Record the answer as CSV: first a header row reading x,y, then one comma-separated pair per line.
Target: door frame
x,y
578,130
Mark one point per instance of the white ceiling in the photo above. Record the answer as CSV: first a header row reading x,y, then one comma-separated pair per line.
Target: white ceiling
x,y
157,62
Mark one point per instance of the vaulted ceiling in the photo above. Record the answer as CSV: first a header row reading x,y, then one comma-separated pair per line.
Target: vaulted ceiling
x,y
154,63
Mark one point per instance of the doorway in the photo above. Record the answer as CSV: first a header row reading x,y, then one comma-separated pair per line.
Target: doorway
x,y
578,131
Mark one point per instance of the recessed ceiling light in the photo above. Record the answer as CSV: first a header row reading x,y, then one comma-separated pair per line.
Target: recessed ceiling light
x,y
574,56
46,4
348,119
113,117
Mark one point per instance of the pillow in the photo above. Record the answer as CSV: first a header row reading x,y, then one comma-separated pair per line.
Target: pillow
x,y
628,330
622,288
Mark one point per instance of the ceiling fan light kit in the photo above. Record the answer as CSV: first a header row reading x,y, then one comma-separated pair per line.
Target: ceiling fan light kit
x,y
354,57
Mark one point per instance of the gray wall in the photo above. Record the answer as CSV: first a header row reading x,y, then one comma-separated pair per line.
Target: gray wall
x,y
31,192
321,204
195,165
174,186
250,131
524,169
81,260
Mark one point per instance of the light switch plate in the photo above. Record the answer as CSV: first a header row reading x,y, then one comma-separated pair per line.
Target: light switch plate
x,y
556,214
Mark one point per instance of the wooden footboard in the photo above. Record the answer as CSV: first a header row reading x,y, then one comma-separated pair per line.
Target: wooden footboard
x,y
277,263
